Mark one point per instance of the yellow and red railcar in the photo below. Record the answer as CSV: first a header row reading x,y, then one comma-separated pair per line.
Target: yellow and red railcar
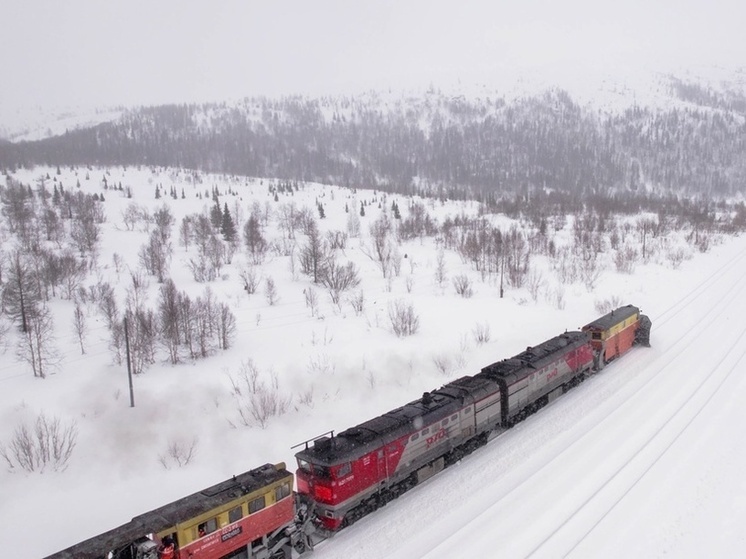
x,y
250,515
617,331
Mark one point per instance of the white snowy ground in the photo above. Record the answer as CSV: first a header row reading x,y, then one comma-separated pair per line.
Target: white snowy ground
x,y
641,459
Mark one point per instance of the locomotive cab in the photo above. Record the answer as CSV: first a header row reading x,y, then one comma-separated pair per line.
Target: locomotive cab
x,y
315,480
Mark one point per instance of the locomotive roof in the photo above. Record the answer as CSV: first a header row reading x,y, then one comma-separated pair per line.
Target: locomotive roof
x,y
361,439
535,357
170,515
614,317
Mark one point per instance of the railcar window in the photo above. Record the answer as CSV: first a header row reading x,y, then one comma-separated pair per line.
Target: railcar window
x,y
303,465
415,437
425,431
207,527
344,469
596,335
256,505
235,514
454,417
322,471
282,491
444,422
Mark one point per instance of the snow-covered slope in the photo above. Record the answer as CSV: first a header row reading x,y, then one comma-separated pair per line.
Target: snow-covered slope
x,y
607,468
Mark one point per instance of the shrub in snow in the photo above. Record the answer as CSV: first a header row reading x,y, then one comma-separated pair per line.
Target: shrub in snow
x,y
179,453
462,285
404,320
481,333
49,444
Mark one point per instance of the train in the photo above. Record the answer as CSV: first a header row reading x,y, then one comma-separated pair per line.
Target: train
x,y
344,477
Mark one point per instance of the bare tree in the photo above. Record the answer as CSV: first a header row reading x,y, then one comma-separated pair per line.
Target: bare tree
x,y
256,401
226,329
79,325
131,216
357,301
288,219
18,207
249,278
314,255
256,244
338,279
383,249
143,335
440,268
270,291
353,223
206,324
589,268
185,231
164,221
103,294
312,300
36,346
72,273
534,283
180,453
155,256
168,319
626,259
21,294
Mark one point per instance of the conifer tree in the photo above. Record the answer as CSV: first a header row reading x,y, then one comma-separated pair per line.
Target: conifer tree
x,y
227,227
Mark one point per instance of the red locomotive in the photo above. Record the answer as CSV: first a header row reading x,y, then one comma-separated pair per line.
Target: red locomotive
x,y
357,471
344,477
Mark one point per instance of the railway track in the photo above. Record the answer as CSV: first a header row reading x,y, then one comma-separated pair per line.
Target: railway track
x,y
590,472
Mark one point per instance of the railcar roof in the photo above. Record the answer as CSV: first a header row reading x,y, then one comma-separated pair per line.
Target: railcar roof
x,y
99,546
536,356
610,319
203,501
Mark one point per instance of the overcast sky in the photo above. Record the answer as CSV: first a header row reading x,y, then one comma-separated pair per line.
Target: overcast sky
x,y
105,52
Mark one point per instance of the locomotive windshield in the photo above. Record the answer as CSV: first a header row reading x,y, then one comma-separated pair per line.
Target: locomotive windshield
x,y
318,471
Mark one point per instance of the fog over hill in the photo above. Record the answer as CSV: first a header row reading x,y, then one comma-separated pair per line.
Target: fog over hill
x,y
438,142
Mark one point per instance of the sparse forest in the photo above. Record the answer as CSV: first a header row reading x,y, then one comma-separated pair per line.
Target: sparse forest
x,y
432,145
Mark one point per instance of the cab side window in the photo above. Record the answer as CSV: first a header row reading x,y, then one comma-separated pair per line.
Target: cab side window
x,y
257,504
235,514
282,491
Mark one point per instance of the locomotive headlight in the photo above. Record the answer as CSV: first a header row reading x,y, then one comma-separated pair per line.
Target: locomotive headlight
x,y
323,493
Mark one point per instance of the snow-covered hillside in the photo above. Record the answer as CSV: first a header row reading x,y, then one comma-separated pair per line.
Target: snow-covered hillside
x,y
550,485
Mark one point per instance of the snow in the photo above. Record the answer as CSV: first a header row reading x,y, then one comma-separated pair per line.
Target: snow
x,y
640,459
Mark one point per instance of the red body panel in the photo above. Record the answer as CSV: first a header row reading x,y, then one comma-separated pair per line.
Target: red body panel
x,y
621,342
366,473
241,533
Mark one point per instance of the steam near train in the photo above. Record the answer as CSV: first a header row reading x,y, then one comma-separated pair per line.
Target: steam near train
x,y
343,477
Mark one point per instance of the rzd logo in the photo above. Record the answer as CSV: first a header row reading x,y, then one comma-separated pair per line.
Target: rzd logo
x,y
436,437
